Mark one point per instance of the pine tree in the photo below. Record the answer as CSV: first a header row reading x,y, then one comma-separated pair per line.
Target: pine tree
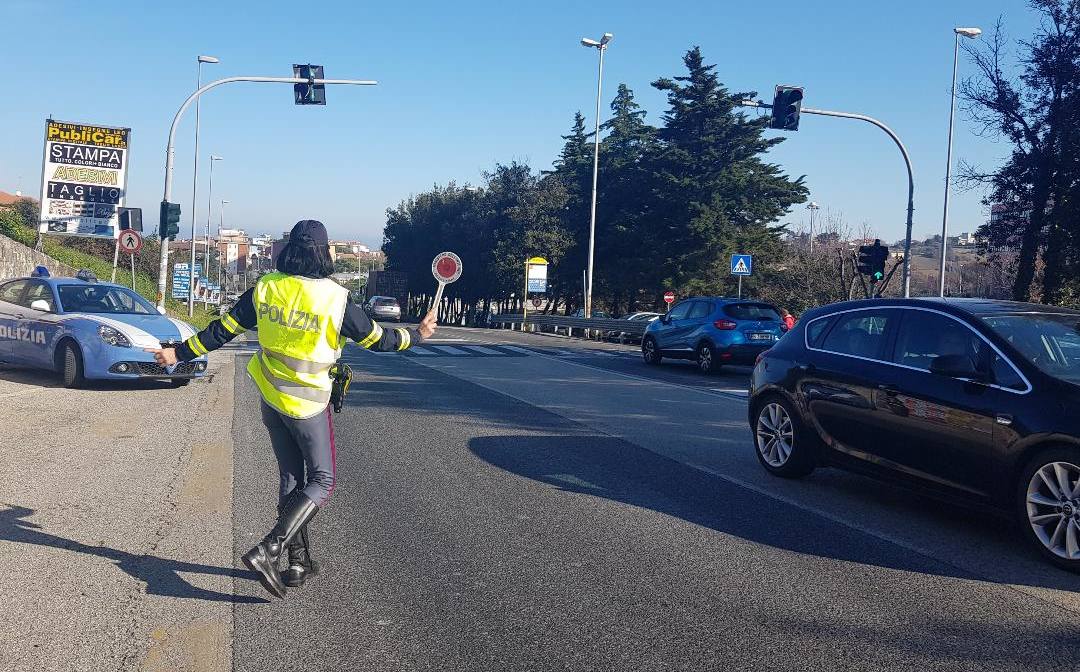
x,y
573,172
715,194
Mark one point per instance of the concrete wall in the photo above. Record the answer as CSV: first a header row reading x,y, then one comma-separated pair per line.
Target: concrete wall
x,y
18,260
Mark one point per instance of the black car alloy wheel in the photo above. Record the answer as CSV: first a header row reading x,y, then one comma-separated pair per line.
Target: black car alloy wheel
x,y
1049,500
784,448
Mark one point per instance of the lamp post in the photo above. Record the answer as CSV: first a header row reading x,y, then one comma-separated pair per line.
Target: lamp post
x,y
220,226
970,33
209,201
601,46
812,207
195,187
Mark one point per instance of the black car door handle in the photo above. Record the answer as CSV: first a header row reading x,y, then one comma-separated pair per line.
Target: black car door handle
x,y
890,390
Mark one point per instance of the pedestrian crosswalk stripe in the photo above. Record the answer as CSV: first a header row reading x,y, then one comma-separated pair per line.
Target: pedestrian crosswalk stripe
x,y
522,351
449,349
486,351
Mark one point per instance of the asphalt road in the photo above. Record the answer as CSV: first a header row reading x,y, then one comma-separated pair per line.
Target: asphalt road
x,y
518,502
115,524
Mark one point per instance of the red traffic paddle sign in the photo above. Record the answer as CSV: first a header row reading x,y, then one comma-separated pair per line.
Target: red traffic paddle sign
x,y
130,241
669,297
446,267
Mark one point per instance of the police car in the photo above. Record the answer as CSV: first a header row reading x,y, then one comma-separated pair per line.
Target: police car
x,y
87,329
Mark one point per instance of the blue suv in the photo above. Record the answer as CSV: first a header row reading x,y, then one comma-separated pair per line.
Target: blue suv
x,y
713,331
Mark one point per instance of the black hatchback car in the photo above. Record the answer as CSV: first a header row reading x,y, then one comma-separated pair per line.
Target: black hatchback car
x,y
959,397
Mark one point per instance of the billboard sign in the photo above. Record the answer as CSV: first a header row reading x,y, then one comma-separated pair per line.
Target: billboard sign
x,y
536,275
84,179
181,280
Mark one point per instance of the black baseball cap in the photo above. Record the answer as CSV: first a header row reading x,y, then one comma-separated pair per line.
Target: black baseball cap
x,y
309,232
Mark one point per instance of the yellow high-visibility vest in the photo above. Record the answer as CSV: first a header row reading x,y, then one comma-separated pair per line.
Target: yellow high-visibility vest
x,y
300,339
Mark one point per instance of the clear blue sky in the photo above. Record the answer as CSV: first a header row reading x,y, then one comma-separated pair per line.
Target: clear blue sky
x,y
466,84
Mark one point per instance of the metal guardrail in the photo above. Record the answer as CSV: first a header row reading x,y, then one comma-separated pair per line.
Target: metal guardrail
x,y
629,327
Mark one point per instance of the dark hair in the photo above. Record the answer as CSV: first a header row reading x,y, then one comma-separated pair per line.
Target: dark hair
x,y
311,261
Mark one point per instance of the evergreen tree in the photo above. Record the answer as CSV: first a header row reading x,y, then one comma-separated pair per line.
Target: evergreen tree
x,y
624,245
573,171
715,195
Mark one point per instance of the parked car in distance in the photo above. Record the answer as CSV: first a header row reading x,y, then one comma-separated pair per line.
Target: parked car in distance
x,y
641,316
713,331
969,399
383,308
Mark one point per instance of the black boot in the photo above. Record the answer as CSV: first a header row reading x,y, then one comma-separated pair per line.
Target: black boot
x,y
301,565
264,557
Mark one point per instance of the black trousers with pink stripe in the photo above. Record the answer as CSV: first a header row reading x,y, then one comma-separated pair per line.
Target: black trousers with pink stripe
x,y
305,452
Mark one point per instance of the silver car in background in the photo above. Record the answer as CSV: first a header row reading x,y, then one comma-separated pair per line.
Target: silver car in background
x,y
383,308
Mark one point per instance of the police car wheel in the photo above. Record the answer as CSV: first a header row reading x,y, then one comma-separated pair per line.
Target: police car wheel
x,y
72,364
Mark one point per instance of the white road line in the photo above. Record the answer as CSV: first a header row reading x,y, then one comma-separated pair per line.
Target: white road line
x,y
449,350
485,351
515,348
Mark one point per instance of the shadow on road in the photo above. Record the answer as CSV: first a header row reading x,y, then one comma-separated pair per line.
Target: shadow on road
x,y
161,575
607,467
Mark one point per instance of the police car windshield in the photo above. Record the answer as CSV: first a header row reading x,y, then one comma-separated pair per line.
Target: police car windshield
x,y
102,299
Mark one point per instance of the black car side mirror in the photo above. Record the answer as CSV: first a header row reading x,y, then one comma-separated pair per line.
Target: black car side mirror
x,y
955,366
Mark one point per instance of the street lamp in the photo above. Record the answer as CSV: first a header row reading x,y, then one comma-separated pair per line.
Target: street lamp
x,y
220,226
970,33
812,207
195,186
600,46
209,201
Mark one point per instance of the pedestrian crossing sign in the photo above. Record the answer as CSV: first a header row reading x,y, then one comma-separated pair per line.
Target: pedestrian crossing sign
x,y
742,264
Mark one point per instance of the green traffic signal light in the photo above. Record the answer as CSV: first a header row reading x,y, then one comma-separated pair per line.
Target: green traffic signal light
x,y
169,222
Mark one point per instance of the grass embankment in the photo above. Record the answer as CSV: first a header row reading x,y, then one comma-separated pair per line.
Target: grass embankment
x,y
102,268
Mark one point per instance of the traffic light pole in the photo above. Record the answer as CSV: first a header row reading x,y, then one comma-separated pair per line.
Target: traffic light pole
x,y
170,150
907,162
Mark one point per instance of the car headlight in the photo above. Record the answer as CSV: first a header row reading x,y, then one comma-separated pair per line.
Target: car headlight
x,y
113,336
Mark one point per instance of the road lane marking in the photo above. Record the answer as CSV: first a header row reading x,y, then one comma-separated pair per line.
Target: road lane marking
x,y
485,351
449,350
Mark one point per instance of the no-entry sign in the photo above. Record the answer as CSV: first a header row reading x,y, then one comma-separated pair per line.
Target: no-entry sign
x,y
130,241
669,298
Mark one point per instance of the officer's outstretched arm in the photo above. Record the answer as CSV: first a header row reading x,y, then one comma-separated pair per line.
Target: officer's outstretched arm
x,y
239,319
368,334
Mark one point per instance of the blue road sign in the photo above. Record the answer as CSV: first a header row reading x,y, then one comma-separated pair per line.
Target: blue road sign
x,y
742,264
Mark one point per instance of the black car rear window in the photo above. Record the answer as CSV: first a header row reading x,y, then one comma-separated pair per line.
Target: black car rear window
x,y
752,311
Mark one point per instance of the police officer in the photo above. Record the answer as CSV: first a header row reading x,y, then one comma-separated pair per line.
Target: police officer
x,y
303,319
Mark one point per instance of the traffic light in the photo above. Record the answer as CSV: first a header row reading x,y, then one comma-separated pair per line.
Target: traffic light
x,y
872,260
131,218
309,94
170,220
787,103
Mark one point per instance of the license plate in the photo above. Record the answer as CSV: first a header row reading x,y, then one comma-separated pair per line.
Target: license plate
x,y
761,337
